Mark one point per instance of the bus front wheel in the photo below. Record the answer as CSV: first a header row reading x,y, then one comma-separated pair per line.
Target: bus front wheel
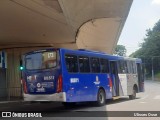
x,y
133,96
101,97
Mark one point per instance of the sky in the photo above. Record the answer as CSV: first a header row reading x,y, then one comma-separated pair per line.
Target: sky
x,y
143,15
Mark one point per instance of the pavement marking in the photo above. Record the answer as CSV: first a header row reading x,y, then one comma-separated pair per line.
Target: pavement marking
x,y
10,102
144,97
157,97
143,102
7,102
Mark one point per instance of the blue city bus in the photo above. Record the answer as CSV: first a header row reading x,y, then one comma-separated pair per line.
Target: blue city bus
x,y
71,76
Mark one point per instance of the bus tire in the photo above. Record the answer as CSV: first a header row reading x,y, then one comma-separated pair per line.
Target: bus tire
x,y
133,96
101,97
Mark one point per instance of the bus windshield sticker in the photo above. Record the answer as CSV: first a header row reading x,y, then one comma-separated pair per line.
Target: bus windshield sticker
x,y
31,87
74,80
48,77
38,85
33,77
97,82
40,90
50,55
47,84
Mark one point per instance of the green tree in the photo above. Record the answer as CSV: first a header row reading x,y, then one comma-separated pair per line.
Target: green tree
x,y
120,50
151,45
150,49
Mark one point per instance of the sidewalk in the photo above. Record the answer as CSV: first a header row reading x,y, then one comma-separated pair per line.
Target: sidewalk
x,y
10,100
156,81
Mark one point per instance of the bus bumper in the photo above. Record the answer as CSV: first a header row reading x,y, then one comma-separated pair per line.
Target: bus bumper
x,y
60,97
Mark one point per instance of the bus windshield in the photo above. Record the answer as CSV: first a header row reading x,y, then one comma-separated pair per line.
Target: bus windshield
x,y
41,60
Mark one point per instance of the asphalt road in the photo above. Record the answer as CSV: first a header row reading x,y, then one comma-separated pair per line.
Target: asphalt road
x,y
147,101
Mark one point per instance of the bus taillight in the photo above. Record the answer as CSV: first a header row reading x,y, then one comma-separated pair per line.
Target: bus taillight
x,y
110,82
24,86
59,84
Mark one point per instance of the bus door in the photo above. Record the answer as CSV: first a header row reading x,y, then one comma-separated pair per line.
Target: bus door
x,y
140,78
115,79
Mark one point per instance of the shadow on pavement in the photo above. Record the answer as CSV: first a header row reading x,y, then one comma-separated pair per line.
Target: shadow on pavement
x,y
56,109
123,99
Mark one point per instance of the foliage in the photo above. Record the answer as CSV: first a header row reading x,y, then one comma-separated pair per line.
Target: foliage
x,y
157,76
120,50
150,49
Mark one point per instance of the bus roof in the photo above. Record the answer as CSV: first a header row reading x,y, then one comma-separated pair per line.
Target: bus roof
x,y
88,52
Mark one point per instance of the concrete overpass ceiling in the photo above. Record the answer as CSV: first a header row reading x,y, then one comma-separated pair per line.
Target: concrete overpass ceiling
x,y
33,22
99,34
105,18
78,12
62,23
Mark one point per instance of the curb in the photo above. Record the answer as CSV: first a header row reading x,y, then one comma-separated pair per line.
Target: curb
x,y
3,102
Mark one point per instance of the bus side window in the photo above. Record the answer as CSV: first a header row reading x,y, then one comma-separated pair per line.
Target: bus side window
x,y
130,66
84,64
0,58
125,67
71,63
134,67
104,66
121,67
95,65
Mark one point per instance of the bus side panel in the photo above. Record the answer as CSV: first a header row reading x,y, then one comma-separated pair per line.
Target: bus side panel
x,y
123,80
84,87
91,84
81,87
131,81
105,83
71,84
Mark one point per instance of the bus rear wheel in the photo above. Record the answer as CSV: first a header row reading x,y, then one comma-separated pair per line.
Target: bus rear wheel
x,y
101,97
133,96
